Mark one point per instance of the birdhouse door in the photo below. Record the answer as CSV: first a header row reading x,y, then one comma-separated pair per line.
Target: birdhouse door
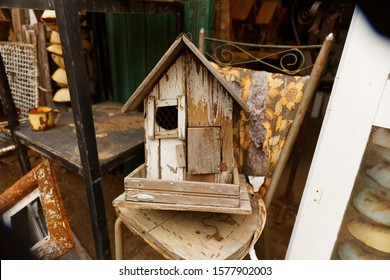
x,y
204,150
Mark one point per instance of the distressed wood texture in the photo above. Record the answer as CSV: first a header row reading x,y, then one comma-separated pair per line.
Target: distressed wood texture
x,y
204,150
209,104
169,168
195,235
182,117
185,195
181,155
167,197
171,85
150,117
60,234
152,146
162,163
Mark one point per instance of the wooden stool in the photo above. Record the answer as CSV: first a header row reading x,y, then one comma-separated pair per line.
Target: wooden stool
x,y
192,235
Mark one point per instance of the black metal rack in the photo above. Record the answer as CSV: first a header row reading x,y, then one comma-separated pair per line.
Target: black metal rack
x,y
88,163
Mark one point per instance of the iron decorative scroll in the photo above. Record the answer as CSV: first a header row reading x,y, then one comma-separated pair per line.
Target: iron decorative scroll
x,y
291,59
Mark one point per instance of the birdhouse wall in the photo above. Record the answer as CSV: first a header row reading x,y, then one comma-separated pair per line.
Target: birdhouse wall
x,y
160,144
203,104
210,105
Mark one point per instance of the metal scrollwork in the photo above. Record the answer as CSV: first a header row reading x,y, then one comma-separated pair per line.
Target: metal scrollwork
x,y
290,59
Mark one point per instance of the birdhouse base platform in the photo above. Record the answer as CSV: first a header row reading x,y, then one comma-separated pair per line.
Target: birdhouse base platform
x,y
144,193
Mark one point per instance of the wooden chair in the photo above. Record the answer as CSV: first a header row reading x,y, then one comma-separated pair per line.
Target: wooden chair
x,y
202,235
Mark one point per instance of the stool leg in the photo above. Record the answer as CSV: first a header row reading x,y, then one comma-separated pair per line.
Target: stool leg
x,y
118,239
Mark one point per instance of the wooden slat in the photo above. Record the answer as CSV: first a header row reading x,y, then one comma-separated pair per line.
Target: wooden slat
x,y
166,134
182,117
166,102
244,200
168,160
152,146
181,155
180,231
182,186
140,171
150,117
180,198
199,94
146,220
201,177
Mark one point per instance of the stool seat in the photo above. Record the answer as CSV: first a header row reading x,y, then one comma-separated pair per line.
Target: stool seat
x,y
193,235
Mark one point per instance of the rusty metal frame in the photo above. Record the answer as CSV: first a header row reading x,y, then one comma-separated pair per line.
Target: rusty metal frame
x,y
60,237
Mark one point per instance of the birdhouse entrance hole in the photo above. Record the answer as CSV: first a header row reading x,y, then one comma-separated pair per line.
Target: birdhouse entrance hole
x,y
167,117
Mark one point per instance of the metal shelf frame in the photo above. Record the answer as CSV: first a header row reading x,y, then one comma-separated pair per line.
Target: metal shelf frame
x,y
70,33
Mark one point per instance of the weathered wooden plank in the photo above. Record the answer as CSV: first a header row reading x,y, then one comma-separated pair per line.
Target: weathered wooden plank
x,y
166,102
166,134
195,235
156,196
199,93
150,117
201,177
139,172
244,199
204,150
209,104
142,220
182,117
181,155
152,146
172,82
168,160
182,186
243,209
227,149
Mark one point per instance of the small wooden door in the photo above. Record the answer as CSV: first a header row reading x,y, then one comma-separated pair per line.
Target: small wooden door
x,y
204,150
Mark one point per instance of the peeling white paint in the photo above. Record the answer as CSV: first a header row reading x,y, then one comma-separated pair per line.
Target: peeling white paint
x,y
142,196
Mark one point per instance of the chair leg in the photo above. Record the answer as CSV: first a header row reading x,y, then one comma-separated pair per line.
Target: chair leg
x,y
118,239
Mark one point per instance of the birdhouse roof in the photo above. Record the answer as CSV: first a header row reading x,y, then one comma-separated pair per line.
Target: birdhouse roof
x,y
181,44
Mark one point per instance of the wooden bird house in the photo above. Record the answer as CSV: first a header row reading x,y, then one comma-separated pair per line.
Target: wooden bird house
x,y
189,111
